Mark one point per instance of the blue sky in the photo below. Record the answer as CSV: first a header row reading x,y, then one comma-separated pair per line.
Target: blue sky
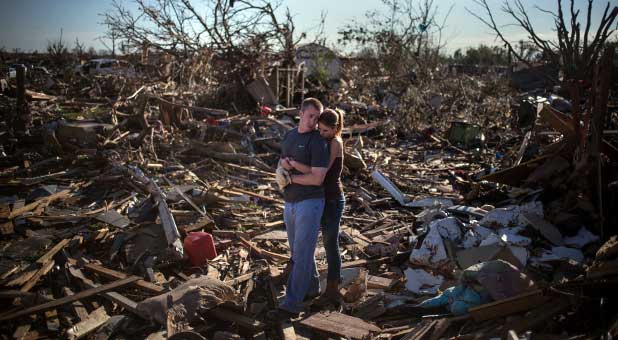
x,y
29,24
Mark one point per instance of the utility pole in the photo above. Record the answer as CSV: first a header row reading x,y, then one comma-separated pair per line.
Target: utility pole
x,y
23,111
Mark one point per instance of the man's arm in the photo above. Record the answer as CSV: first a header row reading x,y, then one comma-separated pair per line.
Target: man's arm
x,y
315,177
335,151
304,168
319,164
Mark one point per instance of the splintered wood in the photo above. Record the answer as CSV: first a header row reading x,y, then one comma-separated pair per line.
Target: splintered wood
x,y
68,299
340,324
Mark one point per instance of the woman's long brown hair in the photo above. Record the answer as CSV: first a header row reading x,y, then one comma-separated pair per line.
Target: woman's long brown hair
x,y
333,119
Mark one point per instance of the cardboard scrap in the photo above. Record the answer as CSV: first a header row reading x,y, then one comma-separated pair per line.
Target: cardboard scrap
x,y
421,282
548,230
468,257
431,251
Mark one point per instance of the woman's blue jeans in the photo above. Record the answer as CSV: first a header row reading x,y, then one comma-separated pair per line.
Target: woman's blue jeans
x,y
331,220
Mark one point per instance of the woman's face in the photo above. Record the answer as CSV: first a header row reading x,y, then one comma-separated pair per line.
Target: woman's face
x,y
326,132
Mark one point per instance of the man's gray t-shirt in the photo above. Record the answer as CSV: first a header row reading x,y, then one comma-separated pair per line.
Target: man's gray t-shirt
x,y
307,148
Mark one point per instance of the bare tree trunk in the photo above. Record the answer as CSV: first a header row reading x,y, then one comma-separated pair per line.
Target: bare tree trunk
x,y
603,78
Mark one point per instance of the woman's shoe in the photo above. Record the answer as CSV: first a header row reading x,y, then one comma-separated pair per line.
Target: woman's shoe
x,y
331,301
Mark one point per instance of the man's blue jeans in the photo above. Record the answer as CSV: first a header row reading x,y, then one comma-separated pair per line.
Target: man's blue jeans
x,y
331,219
302,222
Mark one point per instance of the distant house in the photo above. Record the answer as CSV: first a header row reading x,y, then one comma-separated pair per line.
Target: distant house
x,y
318,58
475,70
525,78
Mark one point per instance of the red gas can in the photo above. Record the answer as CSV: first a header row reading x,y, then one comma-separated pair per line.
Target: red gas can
x,y
200,247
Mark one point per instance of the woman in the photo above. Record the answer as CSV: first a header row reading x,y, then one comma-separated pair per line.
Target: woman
x,y
330,125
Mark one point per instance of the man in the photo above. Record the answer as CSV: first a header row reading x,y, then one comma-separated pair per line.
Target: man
x,y
304,203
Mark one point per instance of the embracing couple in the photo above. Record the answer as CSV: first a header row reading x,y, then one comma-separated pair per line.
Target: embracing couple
x,y
309,172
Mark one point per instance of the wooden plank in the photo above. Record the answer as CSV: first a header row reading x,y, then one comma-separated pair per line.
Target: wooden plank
x,y
7,228
373,224
251,169
512,335
539,316
287,330
229,234
377,282
24,277
356,236
199,224
12,294
78,307
119,299
52,321
21,332
35,204
272,235
253,194
274,224
363,262
340,324
68,299
11,271
370,308
515,304
116,275
440,328
245,295
421,331
186,198
46,264
35,278
514,175
369,234
53,251
240,279
95,319
263,252
558,120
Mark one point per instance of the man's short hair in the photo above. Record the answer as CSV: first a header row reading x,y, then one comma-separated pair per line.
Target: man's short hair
x,y
312,102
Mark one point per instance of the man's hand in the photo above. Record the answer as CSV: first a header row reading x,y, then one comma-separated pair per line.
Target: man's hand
x,y
286,164
282,177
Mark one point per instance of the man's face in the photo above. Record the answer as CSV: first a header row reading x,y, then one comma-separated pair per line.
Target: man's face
x,y
309,118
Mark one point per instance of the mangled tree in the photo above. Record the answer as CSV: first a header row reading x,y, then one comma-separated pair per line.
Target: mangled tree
x,y
109,40
241,34
576,47
406,37
79,49
586,59
399,47
58,50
